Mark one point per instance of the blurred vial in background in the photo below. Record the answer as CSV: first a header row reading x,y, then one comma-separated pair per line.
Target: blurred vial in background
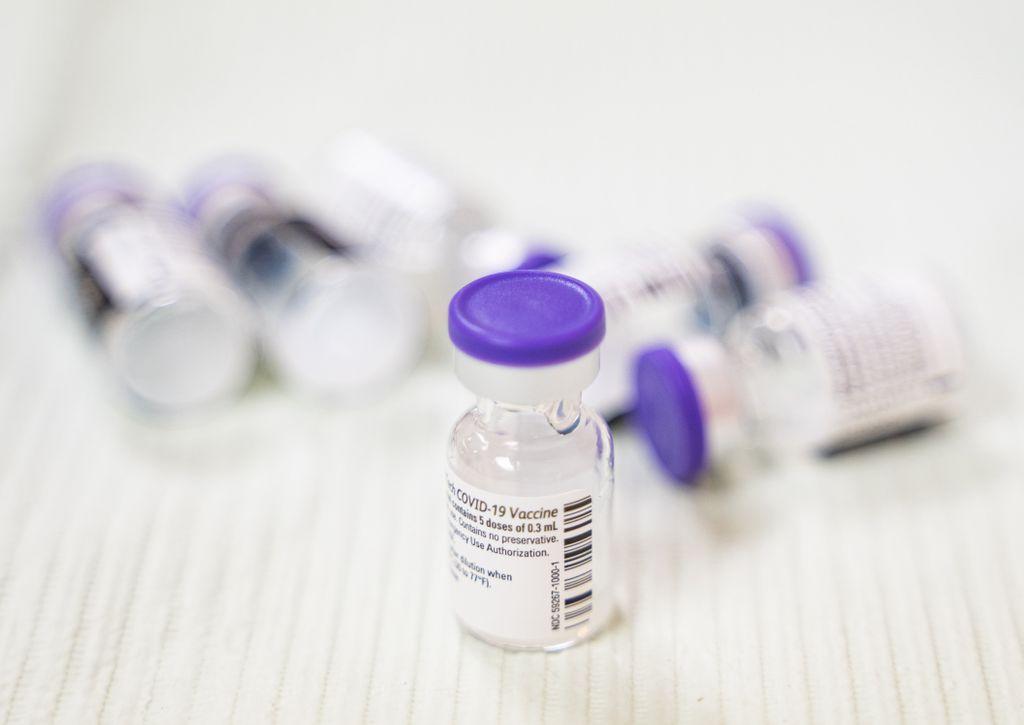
x,y
404,217
332,325
177,334
663,290
822,369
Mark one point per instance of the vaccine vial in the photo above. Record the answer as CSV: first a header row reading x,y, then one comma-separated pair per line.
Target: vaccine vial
x,y
404,216
820,369
663,290
529,467
332,325
177,334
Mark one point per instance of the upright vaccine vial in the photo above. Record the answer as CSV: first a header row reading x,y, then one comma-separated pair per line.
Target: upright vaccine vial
x,y
667,289
177,334
530,469
821,369
332,324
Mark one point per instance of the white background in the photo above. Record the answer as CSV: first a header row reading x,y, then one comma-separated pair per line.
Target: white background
x,y
285,561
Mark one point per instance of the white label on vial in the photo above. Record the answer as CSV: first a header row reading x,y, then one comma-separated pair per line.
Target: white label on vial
x,y
123,255
892,351
665,274
523,566
385,200
649,294
134,258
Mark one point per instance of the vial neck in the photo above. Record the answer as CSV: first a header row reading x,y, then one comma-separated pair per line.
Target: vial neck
x,y
561,416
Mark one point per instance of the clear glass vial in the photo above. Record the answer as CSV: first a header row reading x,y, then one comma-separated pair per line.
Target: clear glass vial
x,y
177,334
819,369
404,216
529,467
400,210
332,325
667,289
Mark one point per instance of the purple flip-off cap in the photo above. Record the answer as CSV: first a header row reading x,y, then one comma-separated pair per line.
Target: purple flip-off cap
x,y
782,228
541,257
219,173
120,182
668,411
526,318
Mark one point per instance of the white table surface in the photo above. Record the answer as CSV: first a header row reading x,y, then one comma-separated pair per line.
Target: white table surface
x,y
285,562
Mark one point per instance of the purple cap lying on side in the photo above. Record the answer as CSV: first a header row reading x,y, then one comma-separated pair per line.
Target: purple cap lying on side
x,y
540,257
668,411
220,173
782,228
526,318
77,185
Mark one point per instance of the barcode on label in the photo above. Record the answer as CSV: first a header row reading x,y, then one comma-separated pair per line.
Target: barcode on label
x,y
578,556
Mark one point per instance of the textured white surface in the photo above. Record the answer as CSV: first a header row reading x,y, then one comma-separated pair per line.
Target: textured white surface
x,y
285,562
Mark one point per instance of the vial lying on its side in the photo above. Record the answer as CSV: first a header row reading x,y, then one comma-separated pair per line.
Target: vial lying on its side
x,y
665,290
331,325
177,334
403,216
530,468
406,215
821,369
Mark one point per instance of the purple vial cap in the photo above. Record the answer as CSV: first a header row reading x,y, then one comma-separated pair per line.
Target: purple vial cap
x,y
80,182
783,229
227,171
668,411
526,318
541,257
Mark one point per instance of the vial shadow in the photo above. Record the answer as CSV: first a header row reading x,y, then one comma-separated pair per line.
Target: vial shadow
x,y
922,466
